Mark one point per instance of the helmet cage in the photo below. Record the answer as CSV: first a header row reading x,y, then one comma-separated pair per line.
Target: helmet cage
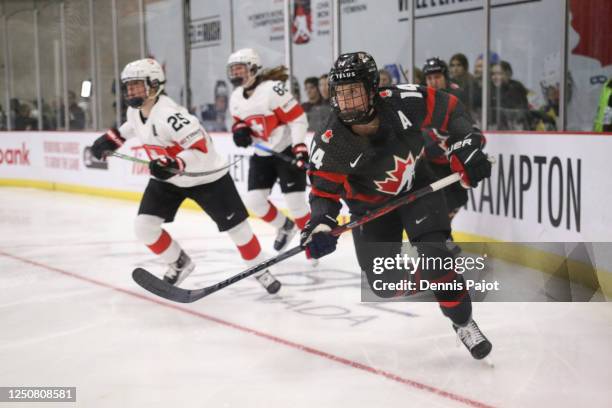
x,y
150,72
247,57
237,80
354,68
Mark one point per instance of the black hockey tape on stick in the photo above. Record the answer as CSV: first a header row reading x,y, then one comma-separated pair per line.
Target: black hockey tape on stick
x,y
164,289
175,171
284,157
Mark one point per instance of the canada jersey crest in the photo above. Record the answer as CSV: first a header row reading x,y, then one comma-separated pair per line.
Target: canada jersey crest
x,y
399,178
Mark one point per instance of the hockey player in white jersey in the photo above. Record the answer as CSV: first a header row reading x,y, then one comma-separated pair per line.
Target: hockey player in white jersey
x,y
264,111
175,141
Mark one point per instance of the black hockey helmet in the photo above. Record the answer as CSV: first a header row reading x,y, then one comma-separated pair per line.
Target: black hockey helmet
x,y
353,68
435,65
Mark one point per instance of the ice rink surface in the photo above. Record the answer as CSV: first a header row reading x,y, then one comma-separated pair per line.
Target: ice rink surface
x,y
70,315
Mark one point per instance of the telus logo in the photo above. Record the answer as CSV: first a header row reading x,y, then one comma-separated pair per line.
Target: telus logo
x,y
343,75
15,156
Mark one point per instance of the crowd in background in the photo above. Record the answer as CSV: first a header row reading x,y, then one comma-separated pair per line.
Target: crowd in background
x,y
511,105
25,115
509,100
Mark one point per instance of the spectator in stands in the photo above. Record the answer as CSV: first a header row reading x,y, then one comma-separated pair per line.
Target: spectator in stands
x,y
313,95
2,119
509,106
75,112
493,59
545,118
49,119
459,73
317,111
14,107
24,119
384,78
214,115
324,88
295,89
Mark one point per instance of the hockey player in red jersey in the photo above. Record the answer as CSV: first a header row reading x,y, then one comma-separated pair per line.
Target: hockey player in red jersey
x,y
370,152
175,142
264,111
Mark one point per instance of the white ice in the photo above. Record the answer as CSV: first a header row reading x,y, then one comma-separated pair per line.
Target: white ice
x,y
70,315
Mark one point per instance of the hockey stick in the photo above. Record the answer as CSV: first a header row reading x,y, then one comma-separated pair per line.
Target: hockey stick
x,y
164,289
284,157
175,171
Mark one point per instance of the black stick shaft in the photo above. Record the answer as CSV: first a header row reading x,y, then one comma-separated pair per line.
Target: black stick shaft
x,y
175,171
281,156
177,294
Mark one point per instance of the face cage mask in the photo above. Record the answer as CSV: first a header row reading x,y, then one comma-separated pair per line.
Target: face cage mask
x,y
237,81
138,101
353,116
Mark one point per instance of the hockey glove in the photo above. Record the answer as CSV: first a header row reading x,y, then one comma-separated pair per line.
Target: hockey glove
x,y
300,152
160,167
108,142
315,237
467,158
242,134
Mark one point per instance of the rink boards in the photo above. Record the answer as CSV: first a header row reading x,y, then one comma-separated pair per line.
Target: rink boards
x,y
545,187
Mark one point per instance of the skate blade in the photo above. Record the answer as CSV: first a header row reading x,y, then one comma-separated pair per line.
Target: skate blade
x,y
184,274
287,241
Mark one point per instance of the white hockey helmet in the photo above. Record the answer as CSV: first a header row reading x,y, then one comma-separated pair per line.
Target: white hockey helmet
x,y
147,70
248,57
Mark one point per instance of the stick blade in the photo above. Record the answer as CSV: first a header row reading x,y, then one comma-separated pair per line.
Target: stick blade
x,y
161,288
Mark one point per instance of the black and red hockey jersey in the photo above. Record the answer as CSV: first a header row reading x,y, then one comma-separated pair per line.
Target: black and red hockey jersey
x,y
365,171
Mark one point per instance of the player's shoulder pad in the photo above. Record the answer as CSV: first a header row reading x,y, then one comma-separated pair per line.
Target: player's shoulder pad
x,y
408,102
165,105
173,117
278,89
402,91
279,95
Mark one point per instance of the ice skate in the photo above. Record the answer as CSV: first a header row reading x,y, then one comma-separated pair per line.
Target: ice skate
x,y
284,235
473,339
179,270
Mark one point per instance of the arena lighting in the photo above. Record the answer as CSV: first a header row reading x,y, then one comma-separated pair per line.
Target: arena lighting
x,y
86,89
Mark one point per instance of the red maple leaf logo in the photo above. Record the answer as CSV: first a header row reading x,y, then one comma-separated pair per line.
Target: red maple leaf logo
x,y
399,177
326,137
386,93
592,23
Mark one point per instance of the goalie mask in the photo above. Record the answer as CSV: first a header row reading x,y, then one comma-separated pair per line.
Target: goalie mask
x,y
353,83
247,58
152,76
